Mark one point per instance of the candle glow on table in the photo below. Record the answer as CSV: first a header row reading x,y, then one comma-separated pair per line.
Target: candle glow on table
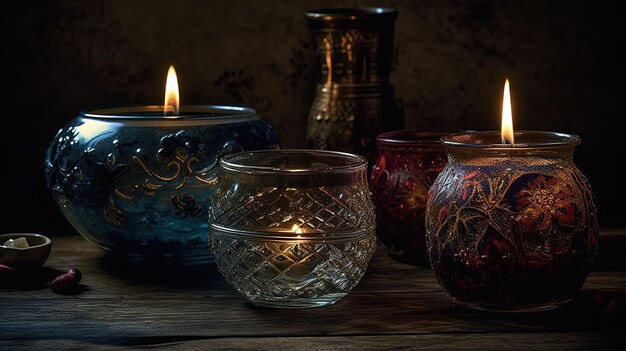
x,y
511,223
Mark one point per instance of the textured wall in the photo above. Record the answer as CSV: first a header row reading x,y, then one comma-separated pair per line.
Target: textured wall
x,y
451,58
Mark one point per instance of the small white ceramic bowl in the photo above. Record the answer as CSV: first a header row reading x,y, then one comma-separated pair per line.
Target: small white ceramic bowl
x,y
31,257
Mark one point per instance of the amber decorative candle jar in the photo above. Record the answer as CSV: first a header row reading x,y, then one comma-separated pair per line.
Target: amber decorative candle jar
x,y
511,227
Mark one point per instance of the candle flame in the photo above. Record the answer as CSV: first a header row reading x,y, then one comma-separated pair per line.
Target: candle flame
x,y
507,116
296,229
172,100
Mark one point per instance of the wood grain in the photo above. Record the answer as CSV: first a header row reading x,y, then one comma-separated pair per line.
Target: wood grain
x,y
395,306
481,341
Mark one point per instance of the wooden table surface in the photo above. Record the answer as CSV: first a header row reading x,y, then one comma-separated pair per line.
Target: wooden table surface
x,y
396,306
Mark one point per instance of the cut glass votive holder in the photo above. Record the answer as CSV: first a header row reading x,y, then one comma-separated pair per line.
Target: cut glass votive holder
x,y
293,228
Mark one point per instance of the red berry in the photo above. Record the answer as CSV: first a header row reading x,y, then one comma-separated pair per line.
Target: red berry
x,y
66,282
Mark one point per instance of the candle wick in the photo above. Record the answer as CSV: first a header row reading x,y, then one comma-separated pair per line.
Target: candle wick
x,y
506,141
170,108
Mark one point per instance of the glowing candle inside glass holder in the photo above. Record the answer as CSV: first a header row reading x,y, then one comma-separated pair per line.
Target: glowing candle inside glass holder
x,y
511,223
293,228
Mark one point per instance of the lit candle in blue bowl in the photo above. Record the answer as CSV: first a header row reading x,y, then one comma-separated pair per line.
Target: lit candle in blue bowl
x,y
138,180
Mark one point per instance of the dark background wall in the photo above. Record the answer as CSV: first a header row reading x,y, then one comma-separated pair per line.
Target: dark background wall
x,y
451,59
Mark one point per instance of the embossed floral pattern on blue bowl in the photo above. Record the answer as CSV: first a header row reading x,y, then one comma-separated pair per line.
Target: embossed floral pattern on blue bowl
x,y
139,185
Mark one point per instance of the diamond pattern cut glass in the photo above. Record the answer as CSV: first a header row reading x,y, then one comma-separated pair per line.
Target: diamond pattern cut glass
x,y
293,228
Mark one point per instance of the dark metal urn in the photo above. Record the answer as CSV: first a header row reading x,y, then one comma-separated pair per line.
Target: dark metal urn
x,y
354,100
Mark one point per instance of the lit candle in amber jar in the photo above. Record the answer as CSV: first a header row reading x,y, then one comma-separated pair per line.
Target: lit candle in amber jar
x,y
511,223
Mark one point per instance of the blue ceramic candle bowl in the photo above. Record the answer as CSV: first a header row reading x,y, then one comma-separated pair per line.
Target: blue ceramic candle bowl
x,y
139,185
